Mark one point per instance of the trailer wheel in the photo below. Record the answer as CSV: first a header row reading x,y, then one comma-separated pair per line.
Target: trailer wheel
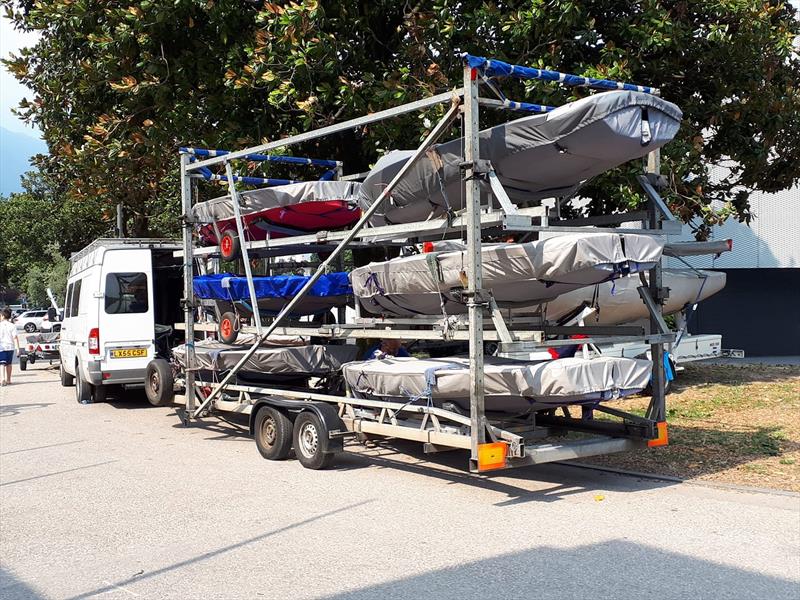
x,y
83,389
273,433
309,440
31,359
67,380
228,327
23,363
229,246
159,382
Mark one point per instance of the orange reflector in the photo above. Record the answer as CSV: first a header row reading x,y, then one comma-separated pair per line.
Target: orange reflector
x,y
663,438
492,456
427,247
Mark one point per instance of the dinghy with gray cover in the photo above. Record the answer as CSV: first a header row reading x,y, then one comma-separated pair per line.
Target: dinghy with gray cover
x,y
541,156
509,386
516,274
269,363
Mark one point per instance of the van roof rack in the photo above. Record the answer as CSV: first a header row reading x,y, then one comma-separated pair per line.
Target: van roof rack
x,y
165,243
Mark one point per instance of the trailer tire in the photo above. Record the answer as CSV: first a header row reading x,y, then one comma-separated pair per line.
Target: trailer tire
x,y
23,363
273,433
159,384
31,359
229,246
309,436
67,380
83,389
228,327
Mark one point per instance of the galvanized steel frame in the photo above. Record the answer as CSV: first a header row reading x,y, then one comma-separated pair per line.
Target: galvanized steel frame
x,y
464,101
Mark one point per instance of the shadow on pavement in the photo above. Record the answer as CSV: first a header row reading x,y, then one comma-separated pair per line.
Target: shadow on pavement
x,y
41,447
12,587
613,569
514,484
215,553
11,410
43,475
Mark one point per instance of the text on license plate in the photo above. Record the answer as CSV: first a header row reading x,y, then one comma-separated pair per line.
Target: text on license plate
x,y
129,353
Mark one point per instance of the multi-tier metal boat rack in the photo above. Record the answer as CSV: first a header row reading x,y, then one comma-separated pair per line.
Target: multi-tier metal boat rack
x,y
538,438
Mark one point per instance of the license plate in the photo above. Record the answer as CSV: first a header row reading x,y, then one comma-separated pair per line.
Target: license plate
x,y
129,353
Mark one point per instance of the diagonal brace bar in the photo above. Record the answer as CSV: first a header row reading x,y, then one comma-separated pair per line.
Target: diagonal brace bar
x,y
653,309
502,197
655,198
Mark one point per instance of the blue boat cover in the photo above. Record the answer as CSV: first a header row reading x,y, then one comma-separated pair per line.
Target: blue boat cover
x,y
226,286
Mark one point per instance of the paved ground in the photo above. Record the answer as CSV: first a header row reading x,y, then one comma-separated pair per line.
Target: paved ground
x,y
118,500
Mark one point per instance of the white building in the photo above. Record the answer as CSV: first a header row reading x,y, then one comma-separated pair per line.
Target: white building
x,y
759,309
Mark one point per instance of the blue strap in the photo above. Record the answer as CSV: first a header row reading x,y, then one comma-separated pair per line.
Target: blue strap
x,y
430,383
498,68
668,372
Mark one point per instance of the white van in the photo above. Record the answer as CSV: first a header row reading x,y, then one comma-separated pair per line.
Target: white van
x,y
123,296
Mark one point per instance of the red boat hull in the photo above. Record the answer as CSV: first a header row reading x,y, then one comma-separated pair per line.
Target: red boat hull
x,y
303,217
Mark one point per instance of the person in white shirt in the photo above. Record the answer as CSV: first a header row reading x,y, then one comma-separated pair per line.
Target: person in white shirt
x,y
8,344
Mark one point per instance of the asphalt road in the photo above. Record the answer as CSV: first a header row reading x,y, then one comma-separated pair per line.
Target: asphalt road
x,y
118,500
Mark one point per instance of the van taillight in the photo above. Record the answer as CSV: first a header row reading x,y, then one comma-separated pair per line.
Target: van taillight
x,y
94,341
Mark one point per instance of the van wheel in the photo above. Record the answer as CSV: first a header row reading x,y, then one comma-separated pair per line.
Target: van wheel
x,y
67,380
273,433
159,383
23,363
229,246
228,328
83,389
309,436
99,393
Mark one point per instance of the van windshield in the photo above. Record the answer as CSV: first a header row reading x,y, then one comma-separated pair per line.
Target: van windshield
x,y
126,293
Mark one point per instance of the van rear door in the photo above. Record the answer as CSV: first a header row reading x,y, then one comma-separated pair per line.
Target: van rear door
x,y
126,327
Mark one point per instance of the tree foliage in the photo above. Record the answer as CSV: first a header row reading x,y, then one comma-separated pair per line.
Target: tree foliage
x,y
40,226
119,85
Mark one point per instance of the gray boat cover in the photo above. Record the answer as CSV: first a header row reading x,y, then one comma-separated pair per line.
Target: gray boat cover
x,y
43,338
261,199
312,360
619,302
509,386
536,157
517,274
697,248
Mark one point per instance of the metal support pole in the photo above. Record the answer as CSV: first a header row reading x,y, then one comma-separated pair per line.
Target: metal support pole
x,y
188,276
341,312
120,221
474,266
237,213
440,128
657,409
